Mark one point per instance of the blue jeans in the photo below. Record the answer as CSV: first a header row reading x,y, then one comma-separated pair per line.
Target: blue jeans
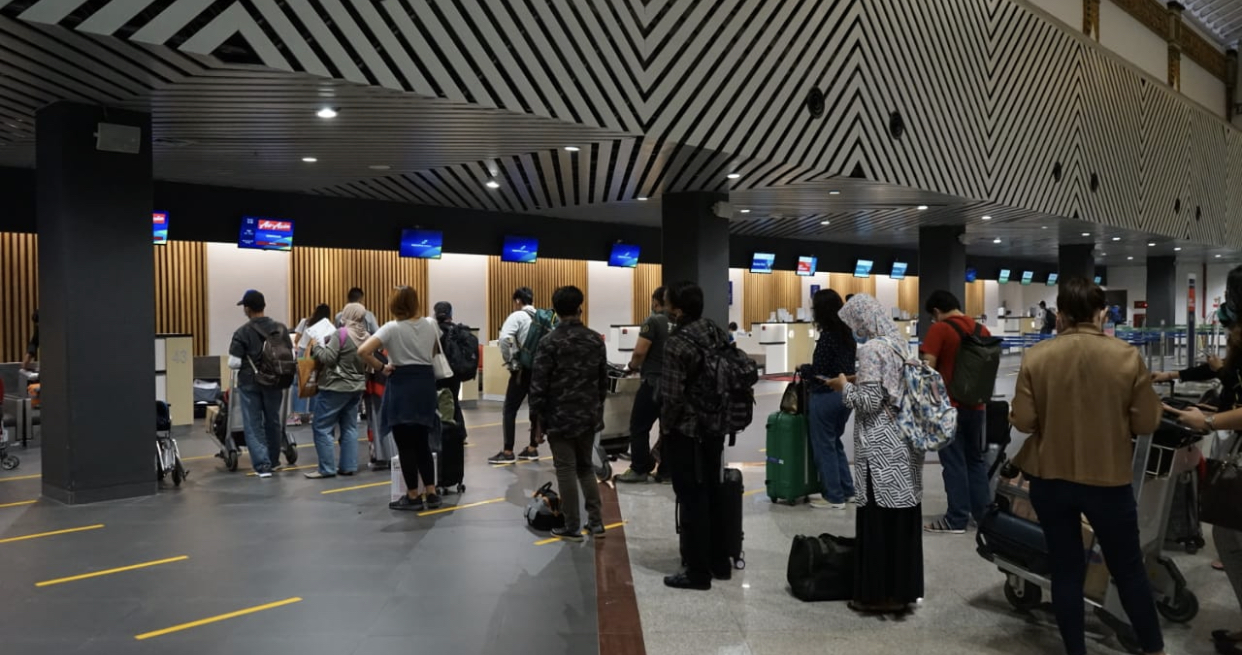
x,y
332,409
1113,515
261,416
828,418
966,470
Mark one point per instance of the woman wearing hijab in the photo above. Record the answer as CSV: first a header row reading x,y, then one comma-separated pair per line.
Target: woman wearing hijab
x,y
887,470
342,380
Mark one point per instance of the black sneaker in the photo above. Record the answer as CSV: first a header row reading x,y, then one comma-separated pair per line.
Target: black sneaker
x,y
597,530
683,581
433,501
567,534
502,458
407,504
529,454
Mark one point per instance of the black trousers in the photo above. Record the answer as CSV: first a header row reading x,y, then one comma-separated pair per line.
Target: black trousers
x,y
642,418
515,395
697,473
414,447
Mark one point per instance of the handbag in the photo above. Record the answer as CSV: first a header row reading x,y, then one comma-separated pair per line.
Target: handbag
x,y
793,401
308,377
440,363
1220,491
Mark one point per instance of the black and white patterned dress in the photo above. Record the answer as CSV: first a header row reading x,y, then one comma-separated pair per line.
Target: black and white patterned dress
x,y
881,453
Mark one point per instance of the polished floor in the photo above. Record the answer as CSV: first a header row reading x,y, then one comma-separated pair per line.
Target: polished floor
x,y
278,566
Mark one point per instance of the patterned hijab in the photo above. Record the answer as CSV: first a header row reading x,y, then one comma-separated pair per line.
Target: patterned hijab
x,y
878,358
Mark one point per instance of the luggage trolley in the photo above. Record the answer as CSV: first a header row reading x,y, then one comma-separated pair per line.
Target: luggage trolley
x,y
1020,552
167,455
229,432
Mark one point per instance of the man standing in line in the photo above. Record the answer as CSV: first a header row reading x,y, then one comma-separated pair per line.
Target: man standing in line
x,y
648,359
355,296
568,384
512,338
1048,319
260,403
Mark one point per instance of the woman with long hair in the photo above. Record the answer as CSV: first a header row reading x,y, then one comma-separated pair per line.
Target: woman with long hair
x,y
300,408
409,405
834,356
342,379
889,574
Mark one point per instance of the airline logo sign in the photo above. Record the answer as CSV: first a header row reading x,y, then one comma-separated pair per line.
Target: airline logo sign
x,y
275,226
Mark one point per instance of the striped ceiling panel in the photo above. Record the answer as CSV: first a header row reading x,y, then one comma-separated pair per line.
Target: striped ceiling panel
x,y
1223,18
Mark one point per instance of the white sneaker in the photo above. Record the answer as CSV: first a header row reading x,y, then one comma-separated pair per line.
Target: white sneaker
x,y
265,474
853,500
820,503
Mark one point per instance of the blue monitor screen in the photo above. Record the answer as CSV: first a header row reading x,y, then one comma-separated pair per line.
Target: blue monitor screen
x,y
266,234
1099,280
422,244
1027,276
807,266
863,268
899,270
1004,276
159,224
762,262
971,274
524,250
1052,279
624,255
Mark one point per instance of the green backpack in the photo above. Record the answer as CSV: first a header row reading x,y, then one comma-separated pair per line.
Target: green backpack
x,y
542,322
976,366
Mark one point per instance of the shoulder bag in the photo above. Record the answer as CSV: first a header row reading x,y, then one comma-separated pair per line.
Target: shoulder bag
x,y
1221,489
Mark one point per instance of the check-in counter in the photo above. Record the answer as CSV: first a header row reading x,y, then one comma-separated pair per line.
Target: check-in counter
x,y
174,375
774,338
621,342
495,375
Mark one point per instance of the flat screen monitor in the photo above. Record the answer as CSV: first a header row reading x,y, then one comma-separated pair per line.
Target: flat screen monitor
x,y
762,262
899,271
863,268
807,266
1003,278
159,224
1027,276
422,244
1099,280
524,250
624,255
971,274
266,234
1052,279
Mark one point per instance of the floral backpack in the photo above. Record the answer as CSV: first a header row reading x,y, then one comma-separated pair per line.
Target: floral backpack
x,y
926,417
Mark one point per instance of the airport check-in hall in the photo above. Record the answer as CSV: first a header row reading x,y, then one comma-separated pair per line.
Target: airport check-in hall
x,y
741,327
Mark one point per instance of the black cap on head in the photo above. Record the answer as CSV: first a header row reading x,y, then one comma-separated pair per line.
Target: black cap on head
x,y
253,300
444,311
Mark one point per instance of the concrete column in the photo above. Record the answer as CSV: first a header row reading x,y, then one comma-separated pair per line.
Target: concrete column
x,y
96,314
1077,259
696,248
942,266
1161,291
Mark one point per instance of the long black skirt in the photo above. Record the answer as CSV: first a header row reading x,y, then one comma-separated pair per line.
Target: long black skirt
x,y
889,555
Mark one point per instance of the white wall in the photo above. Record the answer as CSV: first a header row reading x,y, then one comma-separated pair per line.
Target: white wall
x,y
737,277
610,296
886,291
462,281
991,299
231,271
1066,11
1203,87
1131,39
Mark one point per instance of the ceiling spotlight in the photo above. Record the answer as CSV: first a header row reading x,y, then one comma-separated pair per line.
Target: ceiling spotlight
x,y
922,208
379,167
1218,256
572,148
996,240
1086,234
733,176
987,218
1151,244
1177,249
830,223
642,198
310,160
834,192
745,211
1116,238
1129,258
492,184
326,112
1043,227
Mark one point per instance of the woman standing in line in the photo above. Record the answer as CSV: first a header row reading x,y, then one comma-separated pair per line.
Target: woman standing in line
x,y
834,356
303,408
342,379
409,405
889,530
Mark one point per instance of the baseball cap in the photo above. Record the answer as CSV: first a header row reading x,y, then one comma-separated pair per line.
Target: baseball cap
x,y
444,311
253,300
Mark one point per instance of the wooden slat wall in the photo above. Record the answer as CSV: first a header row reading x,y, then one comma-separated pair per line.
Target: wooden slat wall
x,y
19,293
543,277
908,296
181,291
764,293
325,275
846,284
647,278
974,298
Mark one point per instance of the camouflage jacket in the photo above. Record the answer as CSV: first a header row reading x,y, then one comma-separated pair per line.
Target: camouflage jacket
x,y
569,381
683,359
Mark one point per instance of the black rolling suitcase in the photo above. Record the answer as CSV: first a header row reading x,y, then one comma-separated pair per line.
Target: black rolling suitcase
x,y
451,461
729,512
1013,539
1184,531
998,428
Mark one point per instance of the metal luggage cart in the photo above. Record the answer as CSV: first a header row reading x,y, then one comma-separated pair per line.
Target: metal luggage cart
x,y
229,432
1156,464
167,455
618,405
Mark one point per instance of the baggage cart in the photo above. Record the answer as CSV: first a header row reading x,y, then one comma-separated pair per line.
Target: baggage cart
x,y
229,433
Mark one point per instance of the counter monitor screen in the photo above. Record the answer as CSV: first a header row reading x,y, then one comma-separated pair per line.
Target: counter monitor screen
x,y
1027,276
807,266
863,268
159,223
762,262
972,274
1004,276
524,250
899,271
1052,279
624,255
422,244
1099,280
266,234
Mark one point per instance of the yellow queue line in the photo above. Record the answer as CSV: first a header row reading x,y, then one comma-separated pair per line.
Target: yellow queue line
x,y
357,487
216,456
556,539
521,461
121,569
17,504
51,534
288,468
752,492
217,619
454,508
21,477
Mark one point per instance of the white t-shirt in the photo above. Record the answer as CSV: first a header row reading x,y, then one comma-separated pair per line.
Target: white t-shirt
x,y
409,342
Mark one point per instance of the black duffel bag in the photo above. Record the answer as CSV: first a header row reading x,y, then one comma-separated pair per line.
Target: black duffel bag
x,y
821,568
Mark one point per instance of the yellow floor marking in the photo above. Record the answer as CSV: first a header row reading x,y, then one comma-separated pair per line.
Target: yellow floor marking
x,y
556,539
454,508
763,450
289,468
21,477
522,461
122,569
50,534
217,456
752,492
24,502
216,619
361,486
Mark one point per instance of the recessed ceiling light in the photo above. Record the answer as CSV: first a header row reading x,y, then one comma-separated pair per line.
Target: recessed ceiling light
x,y
830,223
996,240
733,176
745,211
1043,227
922,208
1086,234
326,112
643,198
834,192
572,148
493,184
1218,256
1177,249
1151,244
1116,238
379,167
1129,258
987,218
309,160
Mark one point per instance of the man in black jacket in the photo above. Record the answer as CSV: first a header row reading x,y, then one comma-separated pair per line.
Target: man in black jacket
x,y
568,384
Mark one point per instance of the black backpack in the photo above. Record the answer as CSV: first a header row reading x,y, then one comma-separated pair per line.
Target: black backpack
x,y
721,392
277,367
976,366
461,348
543,512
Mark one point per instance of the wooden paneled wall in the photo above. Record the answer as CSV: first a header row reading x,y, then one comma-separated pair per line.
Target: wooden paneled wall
x,y
974,299
543,277
764,293
181,291
847,285
647,278
325,275
19,293
908,296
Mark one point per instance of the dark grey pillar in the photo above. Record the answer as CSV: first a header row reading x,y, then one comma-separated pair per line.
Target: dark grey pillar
x,y
942,266
97,311
696,248
1076,260
1161,291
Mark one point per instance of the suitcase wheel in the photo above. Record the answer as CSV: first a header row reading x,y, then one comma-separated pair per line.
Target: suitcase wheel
x,y
740,562
230,460
461,488
9,462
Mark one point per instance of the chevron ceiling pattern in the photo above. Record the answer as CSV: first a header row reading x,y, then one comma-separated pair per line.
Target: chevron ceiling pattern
x,y
981,101
1222,17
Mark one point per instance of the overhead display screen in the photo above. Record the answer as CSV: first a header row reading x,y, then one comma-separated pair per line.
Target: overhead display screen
x,y
524,250
1027,276
624,255
422,244
863,268
762,262
807,266
971,274
899,271
1003,278
159,224
266,234
1052,279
